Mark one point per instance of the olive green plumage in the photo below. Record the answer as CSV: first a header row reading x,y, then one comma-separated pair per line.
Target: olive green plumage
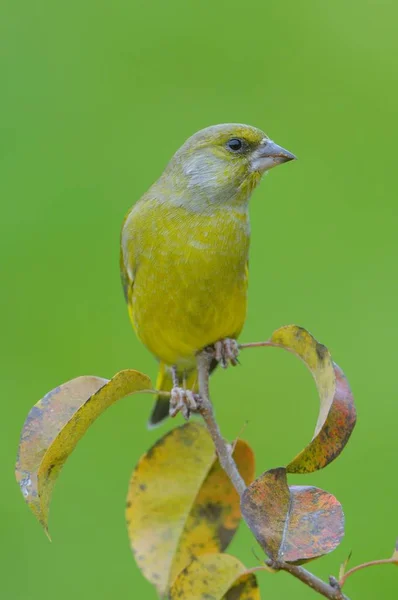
x,y
185,247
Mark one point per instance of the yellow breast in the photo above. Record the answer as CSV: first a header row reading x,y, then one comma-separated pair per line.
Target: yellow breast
x,y
187,277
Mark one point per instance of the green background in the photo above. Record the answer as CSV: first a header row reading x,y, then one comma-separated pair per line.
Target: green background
x,y
95,97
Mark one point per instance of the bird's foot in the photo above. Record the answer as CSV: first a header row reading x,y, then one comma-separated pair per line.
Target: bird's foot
x,y
226,352
184,401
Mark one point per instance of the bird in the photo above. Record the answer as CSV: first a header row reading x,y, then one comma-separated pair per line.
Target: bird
x,y
184,255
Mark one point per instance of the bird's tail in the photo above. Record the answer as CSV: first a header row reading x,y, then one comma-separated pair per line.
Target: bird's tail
x,y
164,383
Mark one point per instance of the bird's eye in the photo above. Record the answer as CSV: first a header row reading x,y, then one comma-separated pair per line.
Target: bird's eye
x,y
235,144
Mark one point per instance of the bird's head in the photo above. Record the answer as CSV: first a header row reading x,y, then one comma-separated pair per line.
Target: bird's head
x,y
223,164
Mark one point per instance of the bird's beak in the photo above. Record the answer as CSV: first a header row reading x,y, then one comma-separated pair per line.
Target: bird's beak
x,y
269,155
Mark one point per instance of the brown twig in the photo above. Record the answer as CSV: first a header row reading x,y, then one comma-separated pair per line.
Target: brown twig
x,y
206,410
333,592
204,358
370,563
256,345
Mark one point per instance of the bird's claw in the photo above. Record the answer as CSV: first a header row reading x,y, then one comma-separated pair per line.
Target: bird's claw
x,y
184,401
226,352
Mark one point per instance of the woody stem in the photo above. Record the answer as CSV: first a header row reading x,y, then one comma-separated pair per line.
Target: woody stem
x,y
205,408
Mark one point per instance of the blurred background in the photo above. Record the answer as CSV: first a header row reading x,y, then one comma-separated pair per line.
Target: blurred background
x,y
95,98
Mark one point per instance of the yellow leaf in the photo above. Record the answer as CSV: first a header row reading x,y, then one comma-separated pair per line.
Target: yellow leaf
x,y
181,504
55,425
337,413
215,577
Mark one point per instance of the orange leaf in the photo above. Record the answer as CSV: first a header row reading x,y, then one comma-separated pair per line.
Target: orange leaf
x,y
337,413
56,424
181,503
215,577
294,523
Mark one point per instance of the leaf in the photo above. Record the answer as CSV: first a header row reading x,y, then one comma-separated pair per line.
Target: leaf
x,y
344,565
181,503
55,425
337,413
292,523
215,577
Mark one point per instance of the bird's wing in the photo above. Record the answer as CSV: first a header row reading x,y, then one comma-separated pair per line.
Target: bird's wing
x,y
128,255
130,246
127,283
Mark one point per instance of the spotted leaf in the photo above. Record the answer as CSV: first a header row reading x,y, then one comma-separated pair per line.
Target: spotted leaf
x,y
215,577
56,424
181,504
337,415
295,523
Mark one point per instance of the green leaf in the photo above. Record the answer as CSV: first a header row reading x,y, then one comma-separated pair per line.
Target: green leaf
x,y
337,415
344,565
181,504
296,523
215,577
56,424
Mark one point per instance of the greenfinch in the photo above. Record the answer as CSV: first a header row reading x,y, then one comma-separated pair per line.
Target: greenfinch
x,y
184,255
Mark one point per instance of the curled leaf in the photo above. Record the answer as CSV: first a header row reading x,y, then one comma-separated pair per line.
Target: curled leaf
x,y
181,503
215,577
337,415
296,523
56,424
